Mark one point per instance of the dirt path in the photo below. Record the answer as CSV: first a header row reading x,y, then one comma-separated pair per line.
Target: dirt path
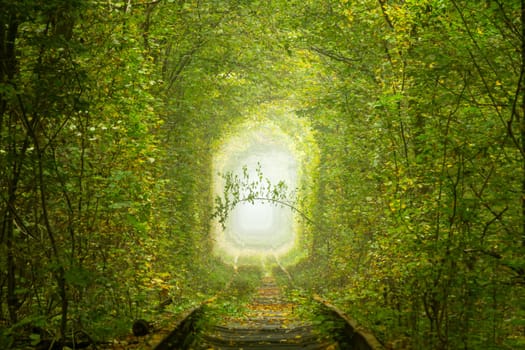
x,y
269,321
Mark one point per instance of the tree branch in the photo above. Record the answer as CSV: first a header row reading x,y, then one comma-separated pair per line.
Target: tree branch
x,y
333,55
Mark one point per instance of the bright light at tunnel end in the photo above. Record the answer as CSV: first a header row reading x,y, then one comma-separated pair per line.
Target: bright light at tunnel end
x,y
262,227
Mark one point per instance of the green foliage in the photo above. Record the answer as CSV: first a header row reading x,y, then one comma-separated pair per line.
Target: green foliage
x,y
110,113
233,302
245,281
425,219
242,188
81,123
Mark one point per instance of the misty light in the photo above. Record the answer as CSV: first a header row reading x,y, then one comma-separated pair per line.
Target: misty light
x,y
264,225
253,218
261,227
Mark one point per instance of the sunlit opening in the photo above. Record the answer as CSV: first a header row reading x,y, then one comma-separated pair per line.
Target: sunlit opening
x,y
277,145
263,224
260,227
254,219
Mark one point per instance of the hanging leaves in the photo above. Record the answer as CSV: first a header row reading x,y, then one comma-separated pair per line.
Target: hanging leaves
x,y
246,188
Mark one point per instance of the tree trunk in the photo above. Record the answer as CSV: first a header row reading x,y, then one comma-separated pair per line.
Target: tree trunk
x,y
8,35
522,119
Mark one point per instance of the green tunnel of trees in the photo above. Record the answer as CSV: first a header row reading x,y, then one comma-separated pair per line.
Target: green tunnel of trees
x,y
111,111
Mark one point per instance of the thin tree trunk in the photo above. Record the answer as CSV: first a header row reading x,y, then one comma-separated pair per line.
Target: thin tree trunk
x,y
12,301
522,119
7,71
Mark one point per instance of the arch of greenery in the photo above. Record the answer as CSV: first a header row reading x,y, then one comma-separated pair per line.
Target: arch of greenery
x,y
272,146
111,113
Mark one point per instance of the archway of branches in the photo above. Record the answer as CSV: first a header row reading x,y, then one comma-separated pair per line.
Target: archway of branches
x,y
264,152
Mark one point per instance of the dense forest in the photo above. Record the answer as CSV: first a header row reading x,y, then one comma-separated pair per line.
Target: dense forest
x,y
111,113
